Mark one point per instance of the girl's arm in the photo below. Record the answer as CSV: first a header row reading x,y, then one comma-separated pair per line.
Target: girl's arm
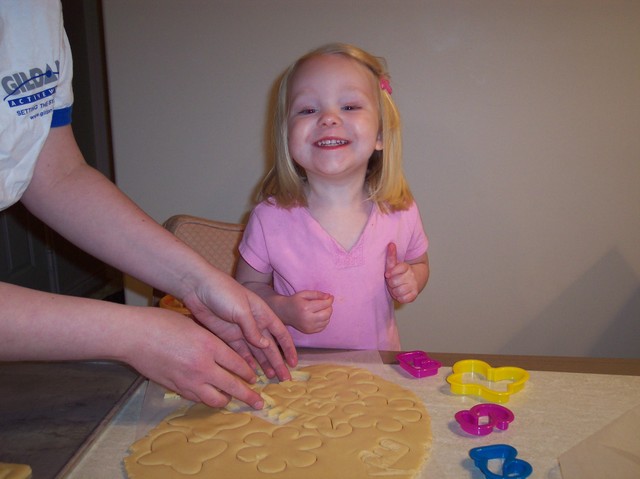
x,y
307,311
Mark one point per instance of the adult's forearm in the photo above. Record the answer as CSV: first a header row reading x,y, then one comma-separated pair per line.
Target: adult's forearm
x,y
36,325
265,292
164,346
85,207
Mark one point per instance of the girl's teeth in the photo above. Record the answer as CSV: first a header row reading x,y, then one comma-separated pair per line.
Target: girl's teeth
x,y
332,142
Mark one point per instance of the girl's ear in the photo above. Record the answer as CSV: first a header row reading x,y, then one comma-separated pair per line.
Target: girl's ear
x,y
379,143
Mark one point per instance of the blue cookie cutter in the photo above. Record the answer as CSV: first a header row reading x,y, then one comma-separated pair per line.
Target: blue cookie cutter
x,y
418,364
512,468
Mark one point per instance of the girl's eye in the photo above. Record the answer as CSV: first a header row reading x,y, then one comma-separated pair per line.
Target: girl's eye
x,y
350,107
307,111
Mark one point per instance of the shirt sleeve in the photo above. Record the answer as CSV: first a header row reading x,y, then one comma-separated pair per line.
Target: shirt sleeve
x,y
64,89
253,246
419,243
61,117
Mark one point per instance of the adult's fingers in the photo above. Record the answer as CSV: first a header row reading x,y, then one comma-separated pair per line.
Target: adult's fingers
x,y
282,337
271,360
240,346
265,364
224,381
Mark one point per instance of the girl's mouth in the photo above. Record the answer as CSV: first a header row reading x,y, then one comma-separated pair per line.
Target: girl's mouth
x,y
331,142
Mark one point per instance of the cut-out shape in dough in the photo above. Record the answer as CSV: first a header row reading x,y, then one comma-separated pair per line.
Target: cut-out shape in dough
x,y
173,449
374,413
385,455
284,447
205,425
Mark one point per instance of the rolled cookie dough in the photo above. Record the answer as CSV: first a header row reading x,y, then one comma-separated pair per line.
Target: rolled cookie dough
x,y
330,421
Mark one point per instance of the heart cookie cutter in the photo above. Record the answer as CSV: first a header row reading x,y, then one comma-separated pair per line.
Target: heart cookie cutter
x,y
471,420
512,468
516,378
418,364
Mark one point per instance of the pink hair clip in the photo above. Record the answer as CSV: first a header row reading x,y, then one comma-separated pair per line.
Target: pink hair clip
x,y
385,85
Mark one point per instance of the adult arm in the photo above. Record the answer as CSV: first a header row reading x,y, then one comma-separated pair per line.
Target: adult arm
x,y
87,209
164,346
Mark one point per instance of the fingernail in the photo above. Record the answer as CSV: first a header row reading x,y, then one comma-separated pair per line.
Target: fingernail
x,y
259,404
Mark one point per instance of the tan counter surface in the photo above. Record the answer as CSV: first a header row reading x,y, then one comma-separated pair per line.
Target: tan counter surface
x,y
565,364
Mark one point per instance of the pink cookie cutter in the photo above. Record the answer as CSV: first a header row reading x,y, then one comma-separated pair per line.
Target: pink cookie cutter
x,y
418,364
481,419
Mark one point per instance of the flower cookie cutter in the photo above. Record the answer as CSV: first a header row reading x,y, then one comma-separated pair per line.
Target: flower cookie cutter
x,y
418,364
516,377
472,420
512,468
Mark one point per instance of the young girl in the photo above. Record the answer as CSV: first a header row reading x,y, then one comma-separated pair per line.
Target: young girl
x,y
337,236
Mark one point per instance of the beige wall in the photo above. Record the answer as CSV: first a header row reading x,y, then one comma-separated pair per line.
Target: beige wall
x,y
521,140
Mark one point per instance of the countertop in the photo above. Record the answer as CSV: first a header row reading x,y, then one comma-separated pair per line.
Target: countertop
x,y
49,412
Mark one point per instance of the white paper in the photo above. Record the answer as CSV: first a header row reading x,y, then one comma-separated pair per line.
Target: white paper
x,y
614,451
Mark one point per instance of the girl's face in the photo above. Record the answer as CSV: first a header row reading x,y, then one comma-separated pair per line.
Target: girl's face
x,y
333,122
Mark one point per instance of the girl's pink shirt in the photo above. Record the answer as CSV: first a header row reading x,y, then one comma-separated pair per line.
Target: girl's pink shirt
x,y
293,246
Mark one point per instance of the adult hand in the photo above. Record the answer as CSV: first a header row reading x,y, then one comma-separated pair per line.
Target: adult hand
x,y
179,354
165,346
249,325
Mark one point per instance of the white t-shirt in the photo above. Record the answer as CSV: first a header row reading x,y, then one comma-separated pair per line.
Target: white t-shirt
x,y
35,87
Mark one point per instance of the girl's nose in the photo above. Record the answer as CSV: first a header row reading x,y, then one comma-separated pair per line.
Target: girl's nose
x,y
330,118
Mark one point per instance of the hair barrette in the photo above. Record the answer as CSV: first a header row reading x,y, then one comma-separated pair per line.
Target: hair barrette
x,y
385,85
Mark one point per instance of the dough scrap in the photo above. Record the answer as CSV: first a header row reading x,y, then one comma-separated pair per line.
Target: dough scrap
x,y
329,421
14,471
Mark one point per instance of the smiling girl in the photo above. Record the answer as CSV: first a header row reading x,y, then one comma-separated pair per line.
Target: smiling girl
x,y
337,236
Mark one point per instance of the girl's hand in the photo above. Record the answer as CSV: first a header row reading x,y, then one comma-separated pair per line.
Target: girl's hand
x,y
404,280
307,311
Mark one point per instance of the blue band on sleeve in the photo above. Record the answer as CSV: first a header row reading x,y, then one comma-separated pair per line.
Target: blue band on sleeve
x,y
61,117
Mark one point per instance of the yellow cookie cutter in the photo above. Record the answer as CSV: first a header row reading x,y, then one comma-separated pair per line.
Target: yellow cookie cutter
x,y
459,385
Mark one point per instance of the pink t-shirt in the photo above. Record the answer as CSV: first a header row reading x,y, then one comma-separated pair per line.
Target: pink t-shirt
x,y
293,246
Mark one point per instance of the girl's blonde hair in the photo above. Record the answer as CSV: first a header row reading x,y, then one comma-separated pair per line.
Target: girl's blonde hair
x,y
385,180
